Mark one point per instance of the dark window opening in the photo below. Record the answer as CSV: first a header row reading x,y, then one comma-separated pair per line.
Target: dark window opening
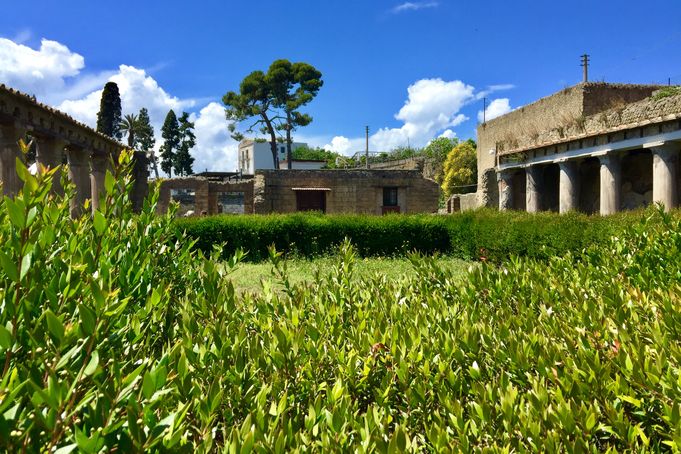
x,y
389,197
311,201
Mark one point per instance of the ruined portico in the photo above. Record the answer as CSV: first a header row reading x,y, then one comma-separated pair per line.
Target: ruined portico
x,y
617,148
59,138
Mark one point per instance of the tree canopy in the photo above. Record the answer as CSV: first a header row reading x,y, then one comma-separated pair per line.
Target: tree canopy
x,y
184,161
460,169
129,125
109,115
171,140
272,99
145,138
293,85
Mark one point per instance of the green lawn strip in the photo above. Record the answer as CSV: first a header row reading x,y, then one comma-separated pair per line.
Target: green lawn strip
x,y
248,277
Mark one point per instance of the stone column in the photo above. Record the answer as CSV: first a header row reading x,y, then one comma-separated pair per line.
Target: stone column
x,y
532,196
79,174
9,152
664,174
50,152
505,180
611,184
97,175
569,186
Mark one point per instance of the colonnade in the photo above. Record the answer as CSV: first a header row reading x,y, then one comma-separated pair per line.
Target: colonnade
x,y
664,172
86,168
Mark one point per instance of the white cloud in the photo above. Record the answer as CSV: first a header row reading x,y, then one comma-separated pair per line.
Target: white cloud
x,y
432,106
414,6
56,76
137,90
215,149
448,134
41,72
496,108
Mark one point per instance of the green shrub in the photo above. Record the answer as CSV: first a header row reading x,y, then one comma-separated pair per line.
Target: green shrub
x,y
117,338
470,235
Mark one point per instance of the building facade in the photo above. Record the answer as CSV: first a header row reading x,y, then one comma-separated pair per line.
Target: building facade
x,y
373,192
257,155
594,147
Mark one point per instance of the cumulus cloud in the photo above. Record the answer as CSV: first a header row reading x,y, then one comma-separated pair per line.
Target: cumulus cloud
x,y
432,106
216,150
496,108
413,6
57,76
42,71
137,90
448,134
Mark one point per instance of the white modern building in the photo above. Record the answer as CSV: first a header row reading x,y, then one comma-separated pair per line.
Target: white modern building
x,y
257,155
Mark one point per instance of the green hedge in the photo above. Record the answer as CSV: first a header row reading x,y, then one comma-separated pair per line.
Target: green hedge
x,y
473,235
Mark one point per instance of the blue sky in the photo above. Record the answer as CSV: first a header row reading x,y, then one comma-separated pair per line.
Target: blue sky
x,y
410,70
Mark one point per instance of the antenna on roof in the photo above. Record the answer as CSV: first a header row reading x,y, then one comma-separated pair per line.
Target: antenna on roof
x,y
585,65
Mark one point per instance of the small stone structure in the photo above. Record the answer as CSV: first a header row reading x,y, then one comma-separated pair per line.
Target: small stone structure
x,y
345,191
286,191
201,196
595,147
58,136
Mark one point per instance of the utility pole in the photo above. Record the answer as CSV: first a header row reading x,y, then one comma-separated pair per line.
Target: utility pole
x,y
585,65
366,154
484,110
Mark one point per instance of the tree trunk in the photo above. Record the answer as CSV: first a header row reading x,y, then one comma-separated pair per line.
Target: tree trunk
x,y
273,141
153,156
289,153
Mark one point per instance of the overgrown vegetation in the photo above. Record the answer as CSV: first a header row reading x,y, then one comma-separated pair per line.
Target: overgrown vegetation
x,y
494,235
117,337
666,92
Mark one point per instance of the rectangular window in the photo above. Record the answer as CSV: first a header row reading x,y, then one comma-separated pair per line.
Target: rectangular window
x,y
389,197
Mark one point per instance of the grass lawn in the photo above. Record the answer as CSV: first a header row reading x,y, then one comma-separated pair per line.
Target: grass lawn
x,y
248,277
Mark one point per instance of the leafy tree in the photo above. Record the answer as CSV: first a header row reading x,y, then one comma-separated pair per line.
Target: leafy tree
x,y
145,138
437,150
109,115
171,140
316,154
460,169
183,160
129,125
293,85
254,100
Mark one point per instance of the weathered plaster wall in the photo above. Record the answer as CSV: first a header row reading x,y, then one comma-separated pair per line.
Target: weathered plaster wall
x,y
351,191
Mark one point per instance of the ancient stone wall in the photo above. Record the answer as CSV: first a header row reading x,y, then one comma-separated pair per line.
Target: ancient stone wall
x,y
206,194
347,191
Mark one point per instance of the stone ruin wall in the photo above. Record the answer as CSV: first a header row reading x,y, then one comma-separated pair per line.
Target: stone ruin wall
x,y
351,191
205,194
554,117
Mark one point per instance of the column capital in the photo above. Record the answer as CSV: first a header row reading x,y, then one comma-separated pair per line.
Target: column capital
x,y
666,148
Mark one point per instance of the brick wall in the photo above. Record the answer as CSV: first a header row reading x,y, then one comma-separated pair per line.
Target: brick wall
x,y
350,191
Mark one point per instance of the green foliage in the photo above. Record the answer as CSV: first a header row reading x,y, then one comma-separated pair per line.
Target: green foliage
x,y
499,235
109,115
666,92
170,131
316,154
460,169
145,138
184,161
255,99
292,85
129,125
117,337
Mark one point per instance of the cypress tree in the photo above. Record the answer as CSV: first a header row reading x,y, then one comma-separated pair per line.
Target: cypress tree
x,y
171,140
183,160
109,115
145,138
